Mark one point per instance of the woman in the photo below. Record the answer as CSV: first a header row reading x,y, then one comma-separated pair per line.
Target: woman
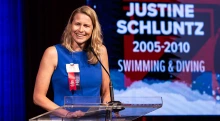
x,y
82,33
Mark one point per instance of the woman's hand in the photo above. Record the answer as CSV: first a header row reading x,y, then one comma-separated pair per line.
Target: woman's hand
x,y
76,114
68,114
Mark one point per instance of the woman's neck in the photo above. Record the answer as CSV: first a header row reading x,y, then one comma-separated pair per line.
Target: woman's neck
x,y
76,47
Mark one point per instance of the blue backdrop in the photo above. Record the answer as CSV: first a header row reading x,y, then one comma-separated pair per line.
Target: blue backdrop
x,y
12,100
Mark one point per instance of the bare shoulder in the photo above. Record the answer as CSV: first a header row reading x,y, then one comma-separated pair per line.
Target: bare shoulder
x,y
103,53
50,52
103,49
50,56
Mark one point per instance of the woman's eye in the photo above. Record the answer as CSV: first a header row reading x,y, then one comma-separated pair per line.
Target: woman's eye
x,y
86,25
77,24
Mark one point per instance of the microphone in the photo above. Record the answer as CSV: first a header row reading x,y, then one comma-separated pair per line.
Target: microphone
x,y
116,104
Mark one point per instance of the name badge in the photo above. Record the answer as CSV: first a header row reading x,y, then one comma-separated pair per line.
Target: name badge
x,y
73,76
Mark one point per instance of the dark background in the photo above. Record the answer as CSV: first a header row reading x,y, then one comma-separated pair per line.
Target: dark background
x,y
44,22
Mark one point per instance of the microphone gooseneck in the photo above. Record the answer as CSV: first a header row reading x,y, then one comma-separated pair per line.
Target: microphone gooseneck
x,y
110,83
117,104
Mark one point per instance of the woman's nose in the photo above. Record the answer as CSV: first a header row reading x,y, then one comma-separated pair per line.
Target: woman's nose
x,y
81,28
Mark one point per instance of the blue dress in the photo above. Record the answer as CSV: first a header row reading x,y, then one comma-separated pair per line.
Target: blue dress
x,y
90,75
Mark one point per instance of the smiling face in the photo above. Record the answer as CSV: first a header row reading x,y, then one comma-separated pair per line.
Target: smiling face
x,y
81,29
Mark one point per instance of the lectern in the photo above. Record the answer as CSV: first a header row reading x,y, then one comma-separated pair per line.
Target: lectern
x,y
130,109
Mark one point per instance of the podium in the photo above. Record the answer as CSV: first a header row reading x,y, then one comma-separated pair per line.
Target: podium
x,y
130,109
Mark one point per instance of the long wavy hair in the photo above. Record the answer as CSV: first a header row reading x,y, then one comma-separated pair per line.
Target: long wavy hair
x,y
96,39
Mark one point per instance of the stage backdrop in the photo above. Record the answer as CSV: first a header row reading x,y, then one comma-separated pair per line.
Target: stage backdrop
x,y
166,48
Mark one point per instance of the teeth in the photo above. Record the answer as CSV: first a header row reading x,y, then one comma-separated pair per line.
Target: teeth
x,y
79,35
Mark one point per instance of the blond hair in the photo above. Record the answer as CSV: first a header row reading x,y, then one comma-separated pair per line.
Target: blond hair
x,y
96,39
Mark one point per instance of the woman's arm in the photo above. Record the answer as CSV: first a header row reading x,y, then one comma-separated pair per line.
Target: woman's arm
x,y
105,77
47,65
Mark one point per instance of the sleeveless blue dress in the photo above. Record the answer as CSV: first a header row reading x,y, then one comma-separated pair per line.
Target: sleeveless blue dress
x,y
90,75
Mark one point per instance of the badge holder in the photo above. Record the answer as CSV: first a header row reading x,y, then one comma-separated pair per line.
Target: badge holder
x,y
73,76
